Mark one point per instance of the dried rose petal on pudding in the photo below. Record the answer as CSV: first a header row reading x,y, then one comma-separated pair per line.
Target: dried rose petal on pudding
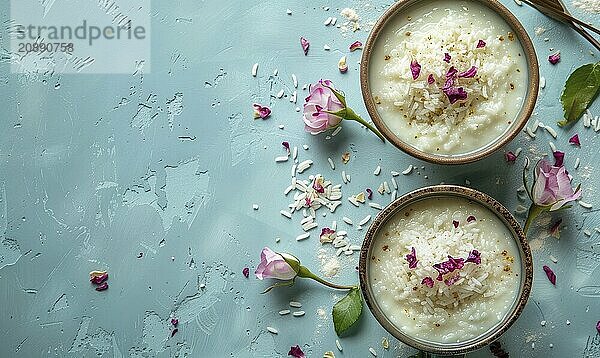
x,y
471,72
474,257
415,69
447,57
471,218
430,79
550,274
480,44
412,258
427,281
452,280
455,223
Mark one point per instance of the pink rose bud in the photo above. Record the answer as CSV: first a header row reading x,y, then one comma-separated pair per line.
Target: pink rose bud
x,y
274,265
321,99
552,185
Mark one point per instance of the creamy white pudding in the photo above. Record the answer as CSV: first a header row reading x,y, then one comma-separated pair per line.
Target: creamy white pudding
x,y
444,270
448,77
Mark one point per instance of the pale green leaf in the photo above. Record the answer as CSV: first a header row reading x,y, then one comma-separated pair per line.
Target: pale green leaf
x,y
582,86
347,311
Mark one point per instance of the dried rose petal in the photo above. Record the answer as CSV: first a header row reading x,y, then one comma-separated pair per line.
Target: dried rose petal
x,y
448,266
447,57
261,111
510,157
555,229
474,257
415,69
99,279
471,72
412,258
318,184
327,235
369,193
246,272
452,280
308,202
355,46
559,158
451,72
575,140
455,223
455,94
305,45
286,145
174,331
471,218
174,322
598,326
427,281
480,44
550,274
554,58
103,286
296,352
430,79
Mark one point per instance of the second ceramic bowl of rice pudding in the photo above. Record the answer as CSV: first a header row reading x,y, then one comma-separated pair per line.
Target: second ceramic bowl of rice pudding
x,y
449,82
445,269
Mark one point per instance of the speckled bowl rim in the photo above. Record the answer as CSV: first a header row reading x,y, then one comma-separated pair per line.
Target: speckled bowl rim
x,y
520,121
448,191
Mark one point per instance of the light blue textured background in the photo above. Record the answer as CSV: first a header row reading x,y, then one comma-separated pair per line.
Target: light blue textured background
x,y
91,175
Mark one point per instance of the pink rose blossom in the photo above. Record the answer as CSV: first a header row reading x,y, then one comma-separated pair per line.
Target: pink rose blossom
x,y
273,265
320,99
552,185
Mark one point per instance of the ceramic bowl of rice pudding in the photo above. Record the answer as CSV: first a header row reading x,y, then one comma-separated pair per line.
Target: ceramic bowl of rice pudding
x,y
449,82
445,269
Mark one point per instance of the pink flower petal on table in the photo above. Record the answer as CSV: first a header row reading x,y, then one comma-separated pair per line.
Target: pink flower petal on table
x,y
286,145
427,281
598,326
480,44
471,72
430,79
296,352
174,322
327,235
554,58
261,111
575,140
412,258
369,193
99,279
550,274
246,272
415,69
103,286
447,57
305,45
510,157
355,46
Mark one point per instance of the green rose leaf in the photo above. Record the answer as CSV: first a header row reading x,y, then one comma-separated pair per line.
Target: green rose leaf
x,y
582,86
347,311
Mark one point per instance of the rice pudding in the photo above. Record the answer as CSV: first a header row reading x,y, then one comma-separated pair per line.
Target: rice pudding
x,y
444,270
448,77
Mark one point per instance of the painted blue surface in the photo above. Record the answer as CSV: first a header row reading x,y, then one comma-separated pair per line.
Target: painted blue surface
x,y
85,185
